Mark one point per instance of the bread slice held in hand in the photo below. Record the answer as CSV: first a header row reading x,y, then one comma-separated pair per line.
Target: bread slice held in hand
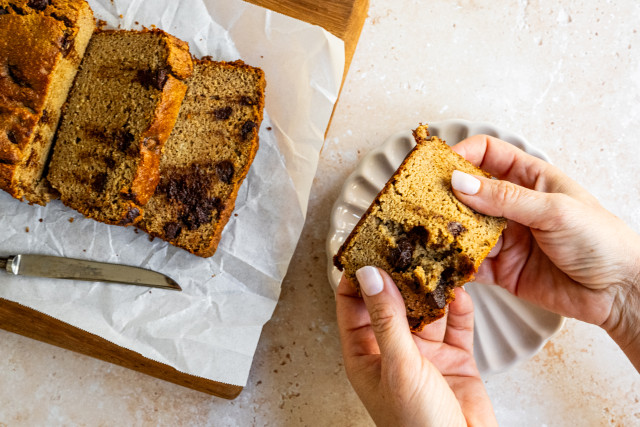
x,y
41,45
420,233
119,114
207,157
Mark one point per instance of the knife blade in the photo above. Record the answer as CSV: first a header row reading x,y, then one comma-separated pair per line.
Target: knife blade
x,y
76,269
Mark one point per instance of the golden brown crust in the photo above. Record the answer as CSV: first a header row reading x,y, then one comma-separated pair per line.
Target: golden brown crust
x,y
164,118
39,54
16,128
179,59
23,87
29,44
67,12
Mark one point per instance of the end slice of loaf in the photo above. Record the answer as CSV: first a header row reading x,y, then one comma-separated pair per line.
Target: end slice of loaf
x,y
420,233
41,45
118,116
207,156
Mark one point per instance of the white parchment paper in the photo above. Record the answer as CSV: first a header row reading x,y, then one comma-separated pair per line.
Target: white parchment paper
x,y
211,329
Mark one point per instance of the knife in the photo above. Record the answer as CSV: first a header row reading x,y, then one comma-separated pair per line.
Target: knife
x,y
75,269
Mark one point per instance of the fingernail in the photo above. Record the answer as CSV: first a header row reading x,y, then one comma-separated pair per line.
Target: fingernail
x,y
370,280
465,183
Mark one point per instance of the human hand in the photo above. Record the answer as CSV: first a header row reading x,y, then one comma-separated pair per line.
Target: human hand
x,y
561,250
422,379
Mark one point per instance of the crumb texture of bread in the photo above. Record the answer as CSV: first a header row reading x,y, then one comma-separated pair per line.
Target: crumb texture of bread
x,y
419,232
208,155
117,119
41,46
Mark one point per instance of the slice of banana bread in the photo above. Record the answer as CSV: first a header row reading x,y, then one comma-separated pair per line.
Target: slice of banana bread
x,y
207,156
119,114
41,45
419,232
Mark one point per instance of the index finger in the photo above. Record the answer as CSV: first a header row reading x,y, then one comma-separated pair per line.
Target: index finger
x,y
504,161
507,162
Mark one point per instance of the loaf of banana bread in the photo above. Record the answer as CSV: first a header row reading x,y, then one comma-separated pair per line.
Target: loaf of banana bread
x,y
207,156
116,121
41,45
420,233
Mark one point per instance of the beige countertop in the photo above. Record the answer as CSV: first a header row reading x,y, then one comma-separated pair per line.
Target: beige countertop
x,y
565,74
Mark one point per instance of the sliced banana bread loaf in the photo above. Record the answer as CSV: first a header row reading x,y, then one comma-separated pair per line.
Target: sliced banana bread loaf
x,y
207,156
419,232
118,116
41,45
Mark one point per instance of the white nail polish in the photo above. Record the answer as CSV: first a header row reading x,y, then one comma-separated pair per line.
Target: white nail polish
x,y
465,183
370,280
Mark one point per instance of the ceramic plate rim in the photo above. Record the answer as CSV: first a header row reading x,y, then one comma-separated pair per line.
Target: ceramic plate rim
x,y
337,234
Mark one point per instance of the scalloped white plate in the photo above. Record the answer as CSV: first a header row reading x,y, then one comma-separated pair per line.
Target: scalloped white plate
x,y
507,329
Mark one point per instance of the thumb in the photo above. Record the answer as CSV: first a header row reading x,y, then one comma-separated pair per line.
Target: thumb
x,y
388,314
503,198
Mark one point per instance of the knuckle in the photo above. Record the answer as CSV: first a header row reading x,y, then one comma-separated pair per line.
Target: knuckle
x,y
556,202
558,210
382,317
505,192
487,138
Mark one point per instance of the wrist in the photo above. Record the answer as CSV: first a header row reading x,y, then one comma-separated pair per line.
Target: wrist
x,y
623,325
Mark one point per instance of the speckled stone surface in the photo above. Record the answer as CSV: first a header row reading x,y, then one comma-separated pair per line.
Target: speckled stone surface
x,y
565,74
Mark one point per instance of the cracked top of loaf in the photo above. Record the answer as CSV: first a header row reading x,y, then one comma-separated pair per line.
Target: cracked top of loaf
x,y
41,43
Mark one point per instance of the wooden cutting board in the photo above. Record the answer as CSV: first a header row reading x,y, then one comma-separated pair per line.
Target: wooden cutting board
x,y
344,19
